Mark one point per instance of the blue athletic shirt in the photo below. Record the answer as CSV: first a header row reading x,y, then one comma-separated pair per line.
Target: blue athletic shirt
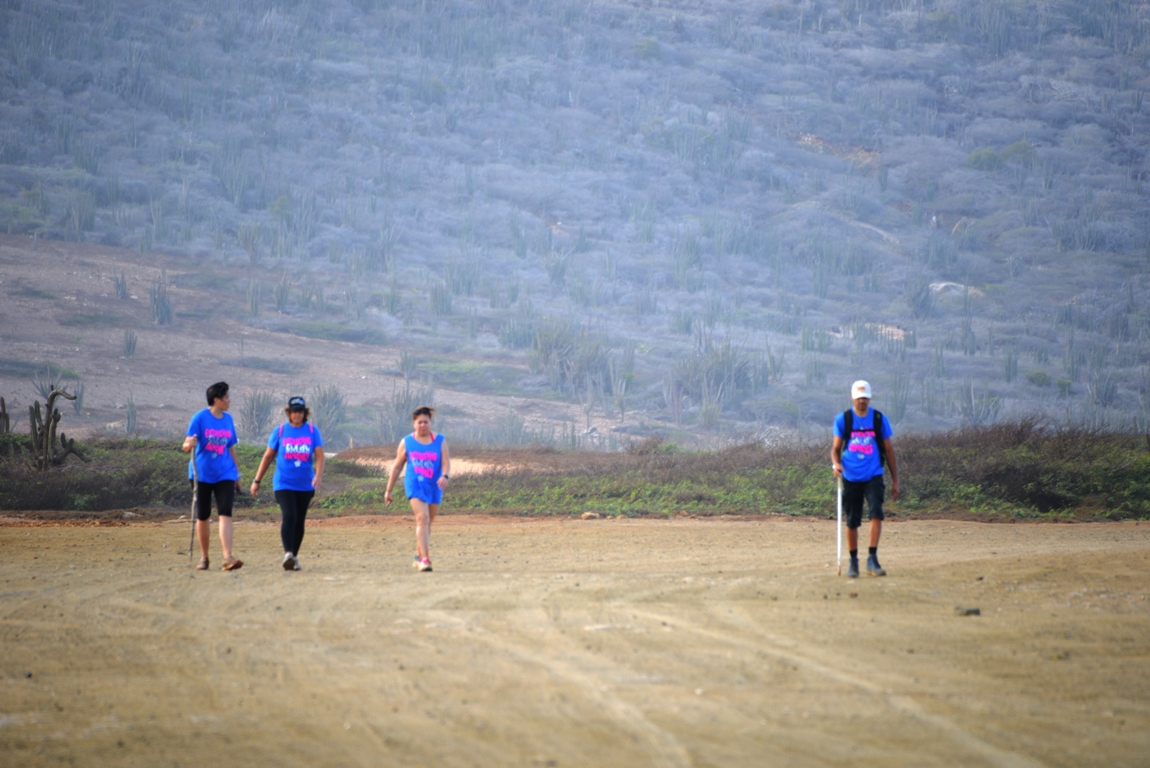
x,y
424,466
213,439
860,455
295,456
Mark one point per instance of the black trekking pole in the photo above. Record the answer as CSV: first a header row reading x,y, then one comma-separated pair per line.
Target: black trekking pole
x,y
195,498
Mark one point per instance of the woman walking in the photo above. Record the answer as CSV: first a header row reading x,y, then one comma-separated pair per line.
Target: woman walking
x,y
297,448
423,457
212,436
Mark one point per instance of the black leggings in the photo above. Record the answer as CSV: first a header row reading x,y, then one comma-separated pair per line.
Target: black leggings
x,y
225,493
293,505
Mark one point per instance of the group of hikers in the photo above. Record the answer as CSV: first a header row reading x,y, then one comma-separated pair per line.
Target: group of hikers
x,y
860,451
296,447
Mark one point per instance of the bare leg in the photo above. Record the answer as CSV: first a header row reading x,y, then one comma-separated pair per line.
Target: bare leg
x,y
423,516
204,535
226,535
853,539
875,532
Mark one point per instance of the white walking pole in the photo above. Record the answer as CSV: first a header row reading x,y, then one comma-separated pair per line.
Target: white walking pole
x,y
839,526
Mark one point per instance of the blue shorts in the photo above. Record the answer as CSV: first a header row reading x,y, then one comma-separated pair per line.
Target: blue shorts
x,y
429,493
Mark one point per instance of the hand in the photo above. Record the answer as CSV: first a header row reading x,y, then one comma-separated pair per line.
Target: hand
x,y
442,483
316,482
239,489
894,490
387,498
838,470
189,444
255,489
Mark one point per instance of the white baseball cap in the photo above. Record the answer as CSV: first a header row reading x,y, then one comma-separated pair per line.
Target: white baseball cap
x,y
860,389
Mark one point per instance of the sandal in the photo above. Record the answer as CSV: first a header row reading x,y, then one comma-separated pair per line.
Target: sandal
x,y
232,564
203,565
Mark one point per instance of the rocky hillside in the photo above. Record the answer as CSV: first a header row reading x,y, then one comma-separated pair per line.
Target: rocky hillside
x,y
707,216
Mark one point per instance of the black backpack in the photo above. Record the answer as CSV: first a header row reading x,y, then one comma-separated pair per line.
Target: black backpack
x,y
848,431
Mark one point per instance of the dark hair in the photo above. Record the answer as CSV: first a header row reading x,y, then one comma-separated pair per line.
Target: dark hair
x,y
306,412
423,410
217,391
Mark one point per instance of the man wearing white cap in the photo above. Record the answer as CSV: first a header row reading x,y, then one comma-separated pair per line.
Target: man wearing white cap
x,y
866,435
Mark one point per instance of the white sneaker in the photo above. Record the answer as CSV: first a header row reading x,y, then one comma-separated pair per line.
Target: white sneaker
x,y
424,564
290,563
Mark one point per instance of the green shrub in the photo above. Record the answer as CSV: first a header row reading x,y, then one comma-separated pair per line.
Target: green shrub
x,y
1018,153
1017,469
325,329
122,473
1039,378
984,159
648,49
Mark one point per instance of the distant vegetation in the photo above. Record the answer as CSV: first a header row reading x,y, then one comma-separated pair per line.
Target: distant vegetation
x,y
713,216
121,474
1008,471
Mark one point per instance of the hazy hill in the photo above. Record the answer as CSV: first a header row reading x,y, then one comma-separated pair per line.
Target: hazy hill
x,y
713,215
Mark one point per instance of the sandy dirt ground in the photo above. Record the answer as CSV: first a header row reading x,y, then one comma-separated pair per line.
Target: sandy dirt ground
x,y
577,643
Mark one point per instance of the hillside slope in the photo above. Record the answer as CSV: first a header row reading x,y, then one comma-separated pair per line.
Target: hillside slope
x,y
708,216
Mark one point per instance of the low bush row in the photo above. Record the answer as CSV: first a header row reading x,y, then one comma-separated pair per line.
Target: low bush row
x,y
1017,470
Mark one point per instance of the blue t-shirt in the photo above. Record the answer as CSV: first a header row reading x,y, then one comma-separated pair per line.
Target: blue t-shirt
x,y
424,466
295,456
213,439
860,455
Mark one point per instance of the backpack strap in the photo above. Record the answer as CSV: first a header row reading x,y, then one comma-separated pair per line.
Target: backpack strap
x,y
878,438
281,434
848,432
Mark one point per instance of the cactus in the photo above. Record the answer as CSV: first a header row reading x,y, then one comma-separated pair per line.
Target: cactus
x,y
5,422
45,452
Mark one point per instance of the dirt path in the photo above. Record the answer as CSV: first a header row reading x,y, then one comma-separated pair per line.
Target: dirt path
x,y
576,643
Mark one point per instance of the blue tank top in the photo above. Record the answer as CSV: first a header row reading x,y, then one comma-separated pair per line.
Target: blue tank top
x,y
423,469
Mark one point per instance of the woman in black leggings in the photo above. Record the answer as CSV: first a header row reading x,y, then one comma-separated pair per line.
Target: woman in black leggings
x,y
297,448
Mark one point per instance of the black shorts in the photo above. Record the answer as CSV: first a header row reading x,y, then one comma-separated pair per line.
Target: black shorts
x,y
854,493
225,493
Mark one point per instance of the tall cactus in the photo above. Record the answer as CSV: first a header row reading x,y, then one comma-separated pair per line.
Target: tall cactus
x,y
45,452
5,422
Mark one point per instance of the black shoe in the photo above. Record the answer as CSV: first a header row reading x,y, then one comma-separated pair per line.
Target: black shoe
x,y
853,569
873,568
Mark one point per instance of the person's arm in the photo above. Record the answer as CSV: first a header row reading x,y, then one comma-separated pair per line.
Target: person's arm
x,y
190,439
317,481
393,475
269,456
893,463
232,453
445,474
837,455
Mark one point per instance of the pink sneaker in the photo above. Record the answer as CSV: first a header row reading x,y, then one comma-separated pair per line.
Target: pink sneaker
x,y
424,564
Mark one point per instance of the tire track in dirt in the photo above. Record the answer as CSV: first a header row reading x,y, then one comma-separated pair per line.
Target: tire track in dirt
x,y
590,675
789,649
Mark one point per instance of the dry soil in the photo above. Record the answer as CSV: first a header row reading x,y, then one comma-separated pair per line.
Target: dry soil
x,y
577,643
